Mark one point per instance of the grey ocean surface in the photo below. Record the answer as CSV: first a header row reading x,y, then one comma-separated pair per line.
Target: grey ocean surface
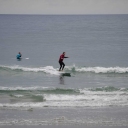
x,y
97,46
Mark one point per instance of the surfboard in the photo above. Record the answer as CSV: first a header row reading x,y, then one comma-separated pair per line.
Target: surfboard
x,y
64,73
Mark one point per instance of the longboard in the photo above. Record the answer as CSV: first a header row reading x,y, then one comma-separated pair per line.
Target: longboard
x,y
64,73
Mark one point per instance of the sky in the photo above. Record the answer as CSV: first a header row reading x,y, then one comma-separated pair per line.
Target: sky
x,y
63,6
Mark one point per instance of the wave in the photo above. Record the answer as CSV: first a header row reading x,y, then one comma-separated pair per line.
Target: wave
x,y
61,90
47,69
38,97
119,70
71,69
39,90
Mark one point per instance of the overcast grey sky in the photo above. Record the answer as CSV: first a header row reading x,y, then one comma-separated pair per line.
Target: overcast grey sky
x,y
63,6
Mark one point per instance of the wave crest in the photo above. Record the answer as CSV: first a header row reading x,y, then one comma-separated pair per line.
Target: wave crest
x,y
119,70
71,69
61,97
47,69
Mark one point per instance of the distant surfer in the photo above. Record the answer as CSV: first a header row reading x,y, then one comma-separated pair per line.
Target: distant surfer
x,y
19,56
62,65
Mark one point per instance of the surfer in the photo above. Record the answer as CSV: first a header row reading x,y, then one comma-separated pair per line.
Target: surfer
x,y
62,65
19,56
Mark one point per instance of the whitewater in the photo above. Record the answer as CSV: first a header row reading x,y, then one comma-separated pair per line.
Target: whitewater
x,y
54,71
40,97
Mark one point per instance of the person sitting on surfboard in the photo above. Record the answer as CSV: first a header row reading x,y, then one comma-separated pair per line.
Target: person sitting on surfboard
x,y
19,56
62,65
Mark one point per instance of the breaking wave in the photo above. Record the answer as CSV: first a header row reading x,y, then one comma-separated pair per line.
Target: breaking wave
x,y
71,69
39,97
118,70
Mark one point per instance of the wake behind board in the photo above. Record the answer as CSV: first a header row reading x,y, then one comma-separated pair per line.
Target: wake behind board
x,y
64,73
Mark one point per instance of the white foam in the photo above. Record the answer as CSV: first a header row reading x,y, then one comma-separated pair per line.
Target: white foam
x,y
88,92
34,87
99,69
54,71
18,96
89,99
107,70
47,69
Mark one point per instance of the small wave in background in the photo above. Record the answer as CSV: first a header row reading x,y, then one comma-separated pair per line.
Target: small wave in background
x,y
39,97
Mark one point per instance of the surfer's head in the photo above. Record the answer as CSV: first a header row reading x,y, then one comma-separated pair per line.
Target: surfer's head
x,y
20,53
63,53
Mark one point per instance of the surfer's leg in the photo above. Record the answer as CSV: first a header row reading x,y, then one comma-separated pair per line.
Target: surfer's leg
x,y
60,66
63,65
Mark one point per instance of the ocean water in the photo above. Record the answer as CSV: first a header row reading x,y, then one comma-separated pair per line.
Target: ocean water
x,y
97,47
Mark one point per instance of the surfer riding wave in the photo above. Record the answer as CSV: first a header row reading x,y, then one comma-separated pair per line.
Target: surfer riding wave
x,y
62,65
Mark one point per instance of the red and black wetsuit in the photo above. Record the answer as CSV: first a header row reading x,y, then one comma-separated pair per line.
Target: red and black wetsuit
x,y
62,65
